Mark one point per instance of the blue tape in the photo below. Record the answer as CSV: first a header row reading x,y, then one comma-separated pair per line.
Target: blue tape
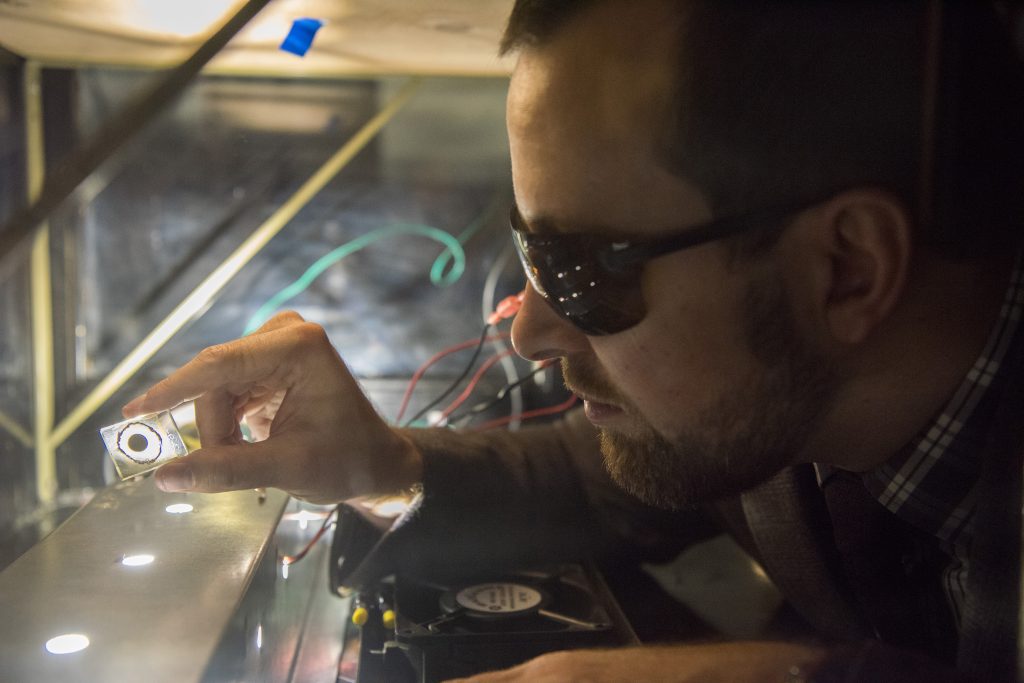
x,y
300,37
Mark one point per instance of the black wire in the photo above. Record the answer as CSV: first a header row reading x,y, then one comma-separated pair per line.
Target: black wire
x,y
498,398
458,380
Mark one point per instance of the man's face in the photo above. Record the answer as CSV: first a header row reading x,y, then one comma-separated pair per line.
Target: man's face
x,y
713,391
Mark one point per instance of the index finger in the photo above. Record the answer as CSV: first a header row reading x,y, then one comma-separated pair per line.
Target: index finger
x,y
231,366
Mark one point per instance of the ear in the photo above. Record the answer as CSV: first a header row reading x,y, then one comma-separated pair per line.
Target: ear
x,y
860,243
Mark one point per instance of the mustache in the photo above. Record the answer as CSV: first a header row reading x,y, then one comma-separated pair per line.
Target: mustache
x,y
584,377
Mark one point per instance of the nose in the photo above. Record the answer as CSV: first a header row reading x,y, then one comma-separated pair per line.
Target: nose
x,y
539,333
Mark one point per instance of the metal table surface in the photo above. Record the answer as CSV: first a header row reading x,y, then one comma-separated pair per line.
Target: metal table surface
x,y
161,621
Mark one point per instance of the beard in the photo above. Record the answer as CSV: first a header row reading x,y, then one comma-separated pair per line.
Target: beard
x,y
744,438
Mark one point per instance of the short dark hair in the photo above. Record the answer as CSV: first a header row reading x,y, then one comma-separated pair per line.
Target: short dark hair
x,y
793,100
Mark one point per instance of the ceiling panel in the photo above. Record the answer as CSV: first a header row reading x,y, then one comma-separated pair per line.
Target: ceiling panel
x,y
457,37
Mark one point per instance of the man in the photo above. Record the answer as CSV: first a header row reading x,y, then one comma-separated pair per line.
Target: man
x,y
774,247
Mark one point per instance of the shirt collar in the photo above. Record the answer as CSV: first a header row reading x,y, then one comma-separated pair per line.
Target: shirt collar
x,y
930,483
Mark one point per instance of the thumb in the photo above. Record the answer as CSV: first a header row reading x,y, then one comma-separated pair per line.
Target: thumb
x,y
232,468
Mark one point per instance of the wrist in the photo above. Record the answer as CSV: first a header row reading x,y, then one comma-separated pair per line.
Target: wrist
x,y
407,470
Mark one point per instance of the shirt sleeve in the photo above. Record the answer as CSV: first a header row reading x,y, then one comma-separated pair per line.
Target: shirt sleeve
x,y
498,499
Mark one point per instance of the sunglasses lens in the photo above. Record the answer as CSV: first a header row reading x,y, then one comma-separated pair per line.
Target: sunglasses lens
x,y
568,274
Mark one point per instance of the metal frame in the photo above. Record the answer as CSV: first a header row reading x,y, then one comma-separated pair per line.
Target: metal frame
x,y
298,72
43,375
46,437
202,295
9,425
83,160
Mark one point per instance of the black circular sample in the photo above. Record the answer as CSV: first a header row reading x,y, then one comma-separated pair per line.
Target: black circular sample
x,y
140,443
137,442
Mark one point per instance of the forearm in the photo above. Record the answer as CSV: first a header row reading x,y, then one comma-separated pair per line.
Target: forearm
x,y
743,662
511,498
537,495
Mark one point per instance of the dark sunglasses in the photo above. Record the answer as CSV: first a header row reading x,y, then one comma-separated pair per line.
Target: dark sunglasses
x,y
593,281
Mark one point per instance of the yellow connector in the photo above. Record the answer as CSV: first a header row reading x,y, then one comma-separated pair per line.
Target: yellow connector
x,y
388,618
360,615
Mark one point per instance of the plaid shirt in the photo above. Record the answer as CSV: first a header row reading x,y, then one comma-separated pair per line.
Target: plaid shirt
x,y
931,482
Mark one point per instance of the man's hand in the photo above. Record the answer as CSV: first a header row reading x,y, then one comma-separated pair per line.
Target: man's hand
x,y
719,663
318,437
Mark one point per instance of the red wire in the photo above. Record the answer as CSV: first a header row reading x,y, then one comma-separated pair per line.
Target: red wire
x,y
433,359
539,412
488,364
328,522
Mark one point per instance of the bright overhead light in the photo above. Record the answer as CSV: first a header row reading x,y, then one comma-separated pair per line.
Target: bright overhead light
x,y
137,560
185,18
67,643
179,508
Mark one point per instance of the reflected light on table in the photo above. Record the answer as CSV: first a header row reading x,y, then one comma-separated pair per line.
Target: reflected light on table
x,y
67,643
137,560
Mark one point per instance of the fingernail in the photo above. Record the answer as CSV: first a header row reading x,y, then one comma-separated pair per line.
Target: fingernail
x,y
175,477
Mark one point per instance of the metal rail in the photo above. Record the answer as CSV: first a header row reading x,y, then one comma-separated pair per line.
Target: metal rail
x,y
10,425
40,283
